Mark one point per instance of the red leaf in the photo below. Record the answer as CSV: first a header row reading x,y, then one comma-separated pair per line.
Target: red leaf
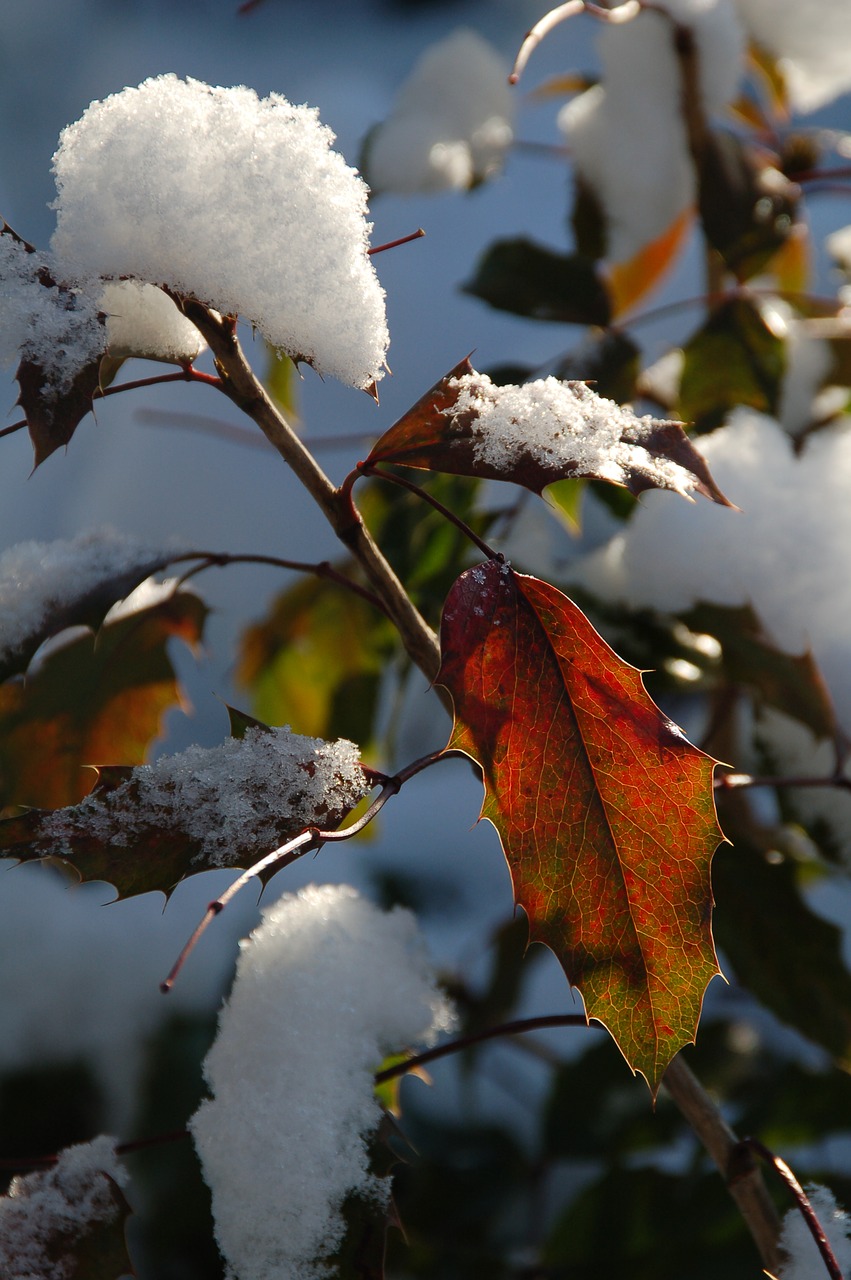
x,y
585,435
604,810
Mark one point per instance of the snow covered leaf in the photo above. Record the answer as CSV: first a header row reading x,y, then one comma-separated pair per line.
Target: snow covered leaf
x,y
68,1222
538,433
48,586
205,807
604,810
96,700
734,359
528,279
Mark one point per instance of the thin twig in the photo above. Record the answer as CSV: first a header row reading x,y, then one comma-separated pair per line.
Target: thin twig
x,y
809,1214
16,426
737,781
478,1037
621,13
742,1176
394,244
293,849
323,569
189,374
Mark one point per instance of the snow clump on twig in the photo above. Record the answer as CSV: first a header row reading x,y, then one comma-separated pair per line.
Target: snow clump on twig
x,y
236,200
143,321
326,987
451,123
811,40
803,1259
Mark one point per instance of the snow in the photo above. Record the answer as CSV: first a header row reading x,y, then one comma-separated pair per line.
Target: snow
x,y
794,570
838,245
451,123
143,321
39,580
562,425
626,134
44,1211
811,39
232,799
804,1261
237,200
326,987
56,329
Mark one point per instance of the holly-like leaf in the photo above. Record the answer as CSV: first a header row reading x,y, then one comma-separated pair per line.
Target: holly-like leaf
x,y
86,603
529,279
604,810
95,700
630,280
540,433
53,416
734,359
145,828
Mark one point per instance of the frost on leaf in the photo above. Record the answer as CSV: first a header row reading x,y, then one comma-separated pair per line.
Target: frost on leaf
x,y
235,200
604,810
541,432
326,987
67,1223
145,828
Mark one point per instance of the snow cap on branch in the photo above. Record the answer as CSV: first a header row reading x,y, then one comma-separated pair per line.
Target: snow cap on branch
x,y
143,321
45,1210
238,201
326,987
451,123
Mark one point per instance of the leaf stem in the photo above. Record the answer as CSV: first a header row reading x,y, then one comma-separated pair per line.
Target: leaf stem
x,y
392,478
188,374
737,781
394,244
809,1214
16,426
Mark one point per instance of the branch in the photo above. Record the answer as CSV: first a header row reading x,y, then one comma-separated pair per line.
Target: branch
x,y
624,12
736,781
392,478
242,387
737,1168
220,559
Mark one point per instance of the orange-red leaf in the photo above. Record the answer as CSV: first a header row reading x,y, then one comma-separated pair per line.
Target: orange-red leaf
x,y
604,810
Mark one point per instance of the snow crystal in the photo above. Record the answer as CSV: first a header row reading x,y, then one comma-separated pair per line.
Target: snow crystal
x,y
786,552
811,39
626,133
58,329
42,1210
237,200
803,1258
239,794
141,320
450,126
562,425
41,579
325,988
838,245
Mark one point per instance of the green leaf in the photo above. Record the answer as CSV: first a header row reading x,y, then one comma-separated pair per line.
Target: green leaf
x,y
734,359
529,279
746,206
281,381
316,662
604,810
804,981
98,699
